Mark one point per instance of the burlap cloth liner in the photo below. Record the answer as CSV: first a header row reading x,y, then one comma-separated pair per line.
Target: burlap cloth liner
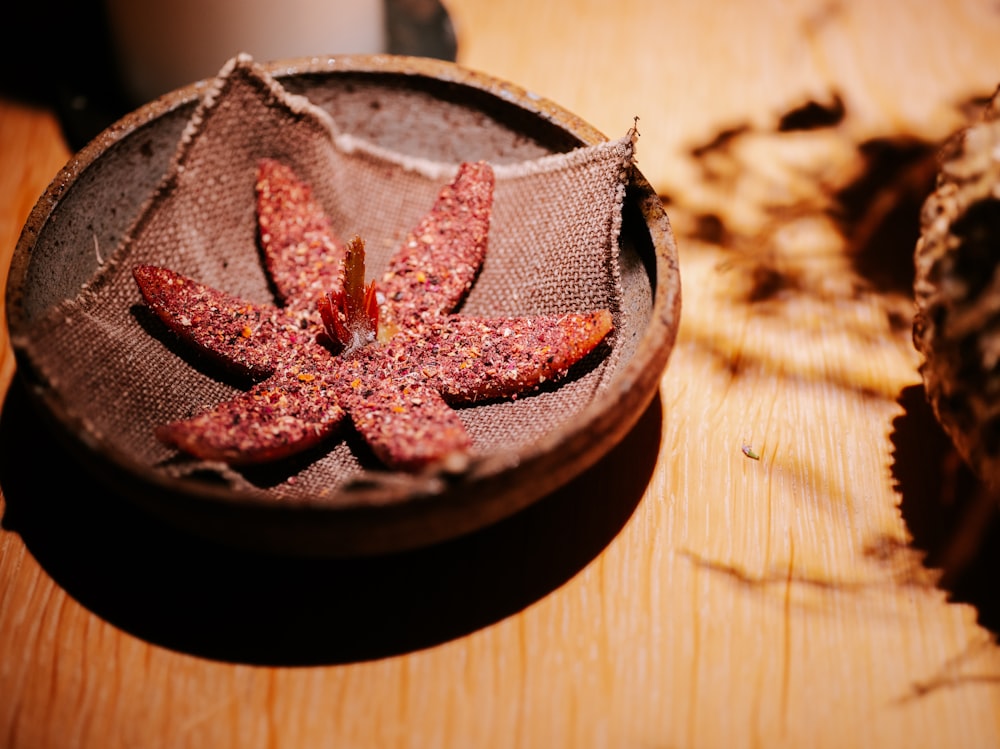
x,y
552,248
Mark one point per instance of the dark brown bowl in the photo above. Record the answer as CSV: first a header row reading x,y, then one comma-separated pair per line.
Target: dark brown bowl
x,y
101,190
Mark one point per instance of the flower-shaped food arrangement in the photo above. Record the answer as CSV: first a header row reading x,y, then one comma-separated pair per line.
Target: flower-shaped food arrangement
x,y
393,357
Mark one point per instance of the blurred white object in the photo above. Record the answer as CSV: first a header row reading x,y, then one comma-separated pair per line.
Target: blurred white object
x,y
164,44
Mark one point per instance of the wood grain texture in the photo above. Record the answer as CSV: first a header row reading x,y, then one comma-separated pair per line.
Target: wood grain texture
x,y
681,594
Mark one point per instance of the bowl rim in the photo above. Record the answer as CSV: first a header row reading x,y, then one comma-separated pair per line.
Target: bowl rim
x,y
549,462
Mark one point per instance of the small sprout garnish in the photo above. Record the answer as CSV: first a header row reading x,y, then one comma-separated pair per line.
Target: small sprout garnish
x,y
750,452
350,315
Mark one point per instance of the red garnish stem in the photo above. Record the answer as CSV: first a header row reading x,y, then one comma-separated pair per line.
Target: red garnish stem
x,y
350,317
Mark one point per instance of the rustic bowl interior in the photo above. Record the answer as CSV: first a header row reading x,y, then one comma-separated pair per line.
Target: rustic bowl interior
x,y
421,107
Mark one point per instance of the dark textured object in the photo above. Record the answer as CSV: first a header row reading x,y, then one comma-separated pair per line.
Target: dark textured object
x,y
419,108
957,290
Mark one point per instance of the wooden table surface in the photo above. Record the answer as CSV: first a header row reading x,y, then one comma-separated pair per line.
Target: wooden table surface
x,y
681,594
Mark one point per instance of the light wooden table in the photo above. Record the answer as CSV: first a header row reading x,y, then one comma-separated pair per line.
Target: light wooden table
x,y
682,594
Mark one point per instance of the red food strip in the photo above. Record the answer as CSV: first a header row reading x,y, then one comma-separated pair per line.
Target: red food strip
x,y
434,268
469,359
246,337
279,417
301,251
407,425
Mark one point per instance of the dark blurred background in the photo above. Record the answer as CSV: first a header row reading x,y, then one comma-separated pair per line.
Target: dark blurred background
x,y
66,63
67,60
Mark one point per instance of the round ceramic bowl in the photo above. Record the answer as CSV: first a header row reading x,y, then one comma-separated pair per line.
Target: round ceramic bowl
x,y
102,189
